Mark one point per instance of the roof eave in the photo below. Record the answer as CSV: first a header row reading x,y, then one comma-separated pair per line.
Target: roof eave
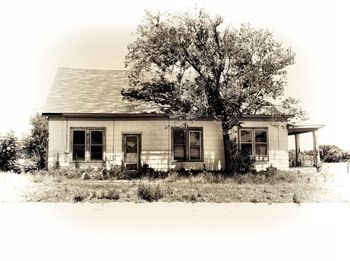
x,y
149,115
266,116
303,128
106,115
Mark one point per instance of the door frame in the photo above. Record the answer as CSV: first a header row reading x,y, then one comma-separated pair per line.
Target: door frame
x,y
138,135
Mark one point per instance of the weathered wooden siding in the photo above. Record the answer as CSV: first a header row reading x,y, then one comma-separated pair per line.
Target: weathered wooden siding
x,y
156,141
155,136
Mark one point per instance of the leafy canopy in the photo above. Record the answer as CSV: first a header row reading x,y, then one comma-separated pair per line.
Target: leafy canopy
x,y
190,66
332,153
8,152
36,143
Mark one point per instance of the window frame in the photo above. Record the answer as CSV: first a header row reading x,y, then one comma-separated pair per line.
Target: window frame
x,y
88,142
177,144
97,145
258,158
187,145
78,144
195,146
245,142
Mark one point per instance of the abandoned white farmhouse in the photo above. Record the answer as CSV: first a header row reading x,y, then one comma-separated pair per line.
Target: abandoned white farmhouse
x,y
89,123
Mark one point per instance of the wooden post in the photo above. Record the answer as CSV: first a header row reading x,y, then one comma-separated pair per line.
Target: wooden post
x,y
316,149
297,150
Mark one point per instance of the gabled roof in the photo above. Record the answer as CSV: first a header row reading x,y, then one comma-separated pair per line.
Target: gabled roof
x,y
90,91
86,92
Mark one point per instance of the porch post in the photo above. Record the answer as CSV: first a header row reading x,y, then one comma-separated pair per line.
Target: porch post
x,y
297,150
316,149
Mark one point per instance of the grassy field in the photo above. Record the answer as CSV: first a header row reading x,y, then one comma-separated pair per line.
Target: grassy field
x,y
297,187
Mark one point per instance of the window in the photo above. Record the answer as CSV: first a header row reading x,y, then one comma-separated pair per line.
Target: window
x,y
254,142
187,144
247,141
179,144
131,144
87,144
195,145
261,145
96,149
79,145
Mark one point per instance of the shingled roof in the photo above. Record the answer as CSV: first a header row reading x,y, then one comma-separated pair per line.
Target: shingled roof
x,y
90,91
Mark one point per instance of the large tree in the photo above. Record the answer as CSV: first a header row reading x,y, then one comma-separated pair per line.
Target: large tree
x,y
190,67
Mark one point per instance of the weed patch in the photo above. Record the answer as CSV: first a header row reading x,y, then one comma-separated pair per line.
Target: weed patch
x,y
109,193
190,198
148,192
254,200
296,198
112,194
78,197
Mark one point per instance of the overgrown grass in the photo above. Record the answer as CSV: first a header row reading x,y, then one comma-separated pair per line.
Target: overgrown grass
x,y
110,193
263,186
149,192
98,193
271,175
79,196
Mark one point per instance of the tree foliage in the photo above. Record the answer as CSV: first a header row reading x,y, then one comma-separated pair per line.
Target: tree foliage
x,y
242,161
331,153
190,66
36,144
8,152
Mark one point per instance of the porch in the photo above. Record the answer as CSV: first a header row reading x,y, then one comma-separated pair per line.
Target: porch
x,y
297,130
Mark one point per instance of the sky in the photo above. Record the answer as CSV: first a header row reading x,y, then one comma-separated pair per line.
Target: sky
x,y
37,37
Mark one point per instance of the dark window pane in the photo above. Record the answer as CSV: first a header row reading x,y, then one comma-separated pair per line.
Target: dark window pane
x,y
246,136
131,144
260,149
78,137
79,145
195,153
179,152
78,152
96,137
260,136
247,149
97,152
179,136
195,138
195,145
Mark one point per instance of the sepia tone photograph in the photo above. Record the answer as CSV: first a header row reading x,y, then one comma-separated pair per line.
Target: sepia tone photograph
x,y
174,130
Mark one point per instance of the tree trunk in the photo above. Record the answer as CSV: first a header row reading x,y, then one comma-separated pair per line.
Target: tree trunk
x,y
227,149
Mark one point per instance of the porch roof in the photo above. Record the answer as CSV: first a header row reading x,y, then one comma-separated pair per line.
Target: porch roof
x,y
303,128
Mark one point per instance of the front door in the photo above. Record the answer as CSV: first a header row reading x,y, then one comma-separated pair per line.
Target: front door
x,y
132,151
